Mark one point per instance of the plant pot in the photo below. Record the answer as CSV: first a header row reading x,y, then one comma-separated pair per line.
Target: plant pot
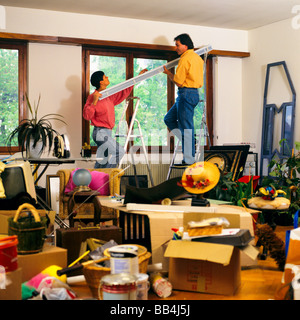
x,y
34,152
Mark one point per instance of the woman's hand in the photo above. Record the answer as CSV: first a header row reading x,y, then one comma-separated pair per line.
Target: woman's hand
x,y
143,71
96,97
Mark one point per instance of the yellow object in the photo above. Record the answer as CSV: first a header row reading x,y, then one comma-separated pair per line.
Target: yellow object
x,y
77,260
166,202
200,177
27,206
206,226
86,146
52,272
189,72
2,192
263,191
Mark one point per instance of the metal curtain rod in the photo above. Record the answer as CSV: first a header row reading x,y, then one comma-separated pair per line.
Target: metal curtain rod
x,y
130,82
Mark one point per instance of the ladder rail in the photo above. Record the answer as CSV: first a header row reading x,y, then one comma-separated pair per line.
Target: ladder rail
x,y
130,135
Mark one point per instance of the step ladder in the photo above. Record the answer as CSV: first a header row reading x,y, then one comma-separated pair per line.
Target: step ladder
x,y
198,155
130,136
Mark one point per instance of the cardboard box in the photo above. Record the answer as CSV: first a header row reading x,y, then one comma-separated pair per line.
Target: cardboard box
x,y
33,264
238,217
204,267
13,287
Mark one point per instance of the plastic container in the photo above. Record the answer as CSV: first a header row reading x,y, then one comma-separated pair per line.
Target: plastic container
x,y
143,286
8,253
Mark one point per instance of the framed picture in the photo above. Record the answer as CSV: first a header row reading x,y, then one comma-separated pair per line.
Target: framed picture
x,y
52,192
227,158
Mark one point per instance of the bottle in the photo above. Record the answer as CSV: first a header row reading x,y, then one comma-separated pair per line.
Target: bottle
x,y
160,285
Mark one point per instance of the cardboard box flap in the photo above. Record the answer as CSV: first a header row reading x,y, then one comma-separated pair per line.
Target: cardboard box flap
x,y
217,253
250,251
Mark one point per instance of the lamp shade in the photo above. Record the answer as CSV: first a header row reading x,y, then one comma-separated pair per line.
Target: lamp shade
x,y
82,177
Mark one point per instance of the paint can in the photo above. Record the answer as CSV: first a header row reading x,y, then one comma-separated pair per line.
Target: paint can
x,y
122,286
143,286
124,259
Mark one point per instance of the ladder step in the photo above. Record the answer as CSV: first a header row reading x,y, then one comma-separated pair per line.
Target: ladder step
x,y
179,167
130,136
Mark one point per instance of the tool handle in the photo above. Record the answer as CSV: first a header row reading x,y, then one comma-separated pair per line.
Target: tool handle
x,y
28,207
77,266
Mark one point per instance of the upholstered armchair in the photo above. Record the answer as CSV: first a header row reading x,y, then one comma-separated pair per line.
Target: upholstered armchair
x,y
86,210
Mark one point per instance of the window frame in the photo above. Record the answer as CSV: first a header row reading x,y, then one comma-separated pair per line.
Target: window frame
x,y
21,46
130,54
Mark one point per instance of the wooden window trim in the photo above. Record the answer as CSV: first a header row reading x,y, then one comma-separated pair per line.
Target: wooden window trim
x,y
108,44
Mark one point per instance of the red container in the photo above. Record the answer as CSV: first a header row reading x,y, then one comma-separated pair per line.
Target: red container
x,y
8,253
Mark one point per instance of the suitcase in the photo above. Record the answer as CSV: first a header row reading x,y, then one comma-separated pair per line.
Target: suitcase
x,y
72,238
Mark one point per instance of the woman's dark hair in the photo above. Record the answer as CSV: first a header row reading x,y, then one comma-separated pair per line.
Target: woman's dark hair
x,y
184,38
96,78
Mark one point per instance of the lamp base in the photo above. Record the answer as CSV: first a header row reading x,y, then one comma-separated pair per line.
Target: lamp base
x,y
82,189
200,201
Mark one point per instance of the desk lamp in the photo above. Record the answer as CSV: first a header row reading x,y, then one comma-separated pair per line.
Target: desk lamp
x,y
82,178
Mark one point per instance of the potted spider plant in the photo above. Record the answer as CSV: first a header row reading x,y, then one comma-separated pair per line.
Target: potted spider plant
x,y
34,135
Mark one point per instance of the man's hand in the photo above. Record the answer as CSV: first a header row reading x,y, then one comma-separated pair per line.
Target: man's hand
x,y
166,71
170,75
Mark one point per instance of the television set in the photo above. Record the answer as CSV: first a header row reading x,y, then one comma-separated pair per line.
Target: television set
x,y
18,181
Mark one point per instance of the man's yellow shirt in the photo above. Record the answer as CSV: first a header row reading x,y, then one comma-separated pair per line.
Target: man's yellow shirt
x,y
189,72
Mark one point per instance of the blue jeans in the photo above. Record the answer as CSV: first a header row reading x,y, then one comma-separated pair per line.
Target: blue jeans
x,y
179,120
108,148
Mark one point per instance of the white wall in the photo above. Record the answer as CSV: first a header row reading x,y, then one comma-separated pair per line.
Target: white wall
x,y
227,100
52,23
54,71
272,43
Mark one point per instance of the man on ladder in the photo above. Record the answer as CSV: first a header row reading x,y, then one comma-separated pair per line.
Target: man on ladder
x,y
188,78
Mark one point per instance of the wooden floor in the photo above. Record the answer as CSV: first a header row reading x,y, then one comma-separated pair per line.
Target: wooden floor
x,y
258,282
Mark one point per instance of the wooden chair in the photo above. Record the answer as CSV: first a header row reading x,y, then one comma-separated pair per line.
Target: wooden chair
x,y
87,210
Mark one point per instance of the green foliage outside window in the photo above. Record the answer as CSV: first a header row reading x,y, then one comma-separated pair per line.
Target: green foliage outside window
x,y
9,100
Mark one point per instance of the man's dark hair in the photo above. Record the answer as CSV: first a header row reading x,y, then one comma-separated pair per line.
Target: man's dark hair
x,y
96,78
184,38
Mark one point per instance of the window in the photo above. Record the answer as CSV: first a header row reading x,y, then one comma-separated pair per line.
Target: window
x,y
12,88
156,94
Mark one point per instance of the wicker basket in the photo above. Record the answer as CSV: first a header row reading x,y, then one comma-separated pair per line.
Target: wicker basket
x,y
30,230
94,273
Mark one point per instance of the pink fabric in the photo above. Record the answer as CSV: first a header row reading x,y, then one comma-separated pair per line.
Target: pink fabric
x,y
99,182
36,280
103,113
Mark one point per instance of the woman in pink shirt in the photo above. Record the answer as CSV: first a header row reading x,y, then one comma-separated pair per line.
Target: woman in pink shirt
x,y
102,116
